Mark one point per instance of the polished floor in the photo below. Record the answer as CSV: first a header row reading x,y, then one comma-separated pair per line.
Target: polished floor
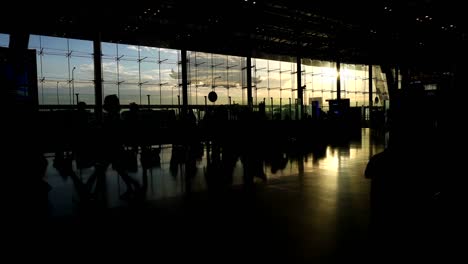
x,y
327,172
299,206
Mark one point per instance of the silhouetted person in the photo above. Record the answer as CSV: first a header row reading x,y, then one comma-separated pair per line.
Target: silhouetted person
x,y
219,168
404,177
192,120
177,158
83,148
276,159
111,149
132,125
82,117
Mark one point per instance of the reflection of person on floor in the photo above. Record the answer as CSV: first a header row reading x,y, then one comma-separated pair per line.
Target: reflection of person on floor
x,y
111,150
221,161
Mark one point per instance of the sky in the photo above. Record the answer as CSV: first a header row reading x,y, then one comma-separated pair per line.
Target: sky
x,y
4,39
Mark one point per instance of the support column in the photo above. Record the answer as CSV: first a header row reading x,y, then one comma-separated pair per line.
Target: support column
x,y
97,77
370,94
338,80
370,87
184,83
300,93
249,82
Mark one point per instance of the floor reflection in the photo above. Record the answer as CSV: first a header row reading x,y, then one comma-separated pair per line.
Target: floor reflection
x,y
320,171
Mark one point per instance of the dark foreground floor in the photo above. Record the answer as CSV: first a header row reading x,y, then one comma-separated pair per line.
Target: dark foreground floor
x,y
315,208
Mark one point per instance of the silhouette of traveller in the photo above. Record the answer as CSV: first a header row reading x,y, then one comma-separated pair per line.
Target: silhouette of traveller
x,y
404,177
111,149
82,146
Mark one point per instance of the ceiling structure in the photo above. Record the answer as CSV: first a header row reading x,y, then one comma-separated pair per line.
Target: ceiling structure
x,y
415,32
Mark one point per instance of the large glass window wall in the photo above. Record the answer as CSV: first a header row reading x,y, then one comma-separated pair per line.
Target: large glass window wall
x,y
65,70
214,72
274,83
152,76
142,75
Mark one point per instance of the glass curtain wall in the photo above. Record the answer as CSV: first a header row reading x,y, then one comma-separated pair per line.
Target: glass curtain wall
x,y
214,72
355,84
152,76
319,78
65,70
142,75
274,83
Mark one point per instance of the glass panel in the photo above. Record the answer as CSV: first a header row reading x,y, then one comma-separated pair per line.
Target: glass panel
x,y
260,80
54,45
153,91
111,88
48,93
109,70
128,71
55,67
85,91
109,50
234,81
4,40
236,96
130,52
222,96
149,54
346,73
169,95
170,74
149,72
81,47
169,55
84,68
129,93
34,42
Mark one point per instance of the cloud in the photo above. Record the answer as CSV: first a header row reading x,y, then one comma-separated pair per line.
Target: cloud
x,y
234,60
151,50
109,67
150,88
147,77
170,51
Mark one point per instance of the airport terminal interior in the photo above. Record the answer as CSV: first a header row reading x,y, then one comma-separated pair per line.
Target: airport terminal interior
x,y
298,131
